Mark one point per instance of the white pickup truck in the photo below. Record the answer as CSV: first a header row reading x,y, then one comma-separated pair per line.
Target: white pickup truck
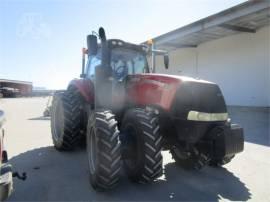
x,y
5,167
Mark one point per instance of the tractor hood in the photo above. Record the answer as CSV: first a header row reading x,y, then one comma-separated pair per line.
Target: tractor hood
x,y
177,94
169,77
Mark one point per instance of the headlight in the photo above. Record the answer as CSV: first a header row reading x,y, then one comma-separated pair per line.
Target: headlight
x,y
202,116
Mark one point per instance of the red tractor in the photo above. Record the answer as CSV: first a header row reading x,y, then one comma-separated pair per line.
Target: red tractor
x,y
127,113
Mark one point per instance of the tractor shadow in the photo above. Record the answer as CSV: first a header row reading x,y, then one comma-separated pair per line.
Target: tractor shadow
x,y
63,176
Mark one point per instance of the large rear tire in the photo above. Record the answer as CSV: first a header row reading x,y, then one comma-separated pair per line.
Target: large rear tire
x,y
103,150
142,144
66,119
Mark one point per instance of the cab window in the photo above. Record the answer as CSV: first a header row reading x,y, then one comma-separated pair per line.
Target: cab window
x,y
92,63
127,62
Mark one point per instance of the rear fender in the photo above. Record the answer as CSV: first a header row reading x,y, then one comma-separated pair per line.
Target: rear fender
x,y
85,87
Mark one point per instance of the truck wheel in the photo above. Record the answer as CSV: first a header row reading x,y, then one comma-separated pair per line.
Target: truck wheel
x,y
141,144
189,160
103,150
66,119
220,162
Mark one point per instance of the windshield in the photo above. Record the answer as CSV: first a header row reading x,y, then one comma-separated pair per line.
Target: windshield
x,y
126,62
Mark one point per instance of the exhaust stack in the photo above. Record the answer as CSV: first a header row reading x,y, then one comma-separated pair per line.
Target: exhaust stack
x,y
103,87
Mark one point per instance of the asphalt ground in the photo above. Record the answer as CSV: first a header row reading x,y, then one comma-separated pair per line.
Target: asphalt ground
x,y
63,176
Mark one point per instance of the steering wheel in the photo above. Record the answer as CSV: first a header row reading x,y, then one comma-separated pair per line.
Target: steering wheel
x,y
120,72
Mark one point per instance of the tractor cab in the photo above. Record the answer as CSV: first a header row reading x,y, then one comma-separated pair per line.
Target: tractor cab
x,y
111,63
118,58
124,59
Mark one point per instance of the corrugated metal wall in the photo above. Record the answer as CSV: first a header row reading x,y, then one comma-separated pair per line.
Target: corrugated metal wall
x,y
240,64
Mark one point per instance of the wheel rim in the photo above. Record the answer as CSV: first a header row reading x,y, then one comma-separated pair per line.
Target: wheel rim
x,y
131,146
91,150
58,121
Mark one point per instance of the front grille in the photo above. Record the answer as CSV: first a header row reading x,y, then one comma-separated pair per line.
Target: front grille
x,y
196,96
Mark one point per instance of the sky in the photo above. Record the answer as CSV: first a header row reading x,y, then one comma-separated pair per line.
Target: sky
x,y
41,41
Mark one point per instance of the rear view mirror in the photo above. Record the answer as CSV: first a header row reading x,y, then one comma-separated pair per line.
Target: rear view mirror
x,y
166,61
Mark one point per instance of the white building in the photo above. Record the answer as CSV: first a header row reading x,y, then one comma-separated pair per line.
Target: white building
x,y
231,48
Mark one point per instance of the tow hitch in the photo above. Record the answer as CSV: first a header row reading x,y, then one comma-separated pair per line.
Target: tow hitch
x,y
8,168
20,177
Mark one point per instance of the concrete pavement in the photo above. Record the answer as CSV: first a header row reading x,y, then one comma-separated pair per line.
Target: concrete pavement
x,y
62,176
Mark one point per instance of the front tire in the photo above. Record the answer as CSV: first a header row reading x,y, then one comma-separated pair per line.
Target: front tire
x,y
103,150
142,144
